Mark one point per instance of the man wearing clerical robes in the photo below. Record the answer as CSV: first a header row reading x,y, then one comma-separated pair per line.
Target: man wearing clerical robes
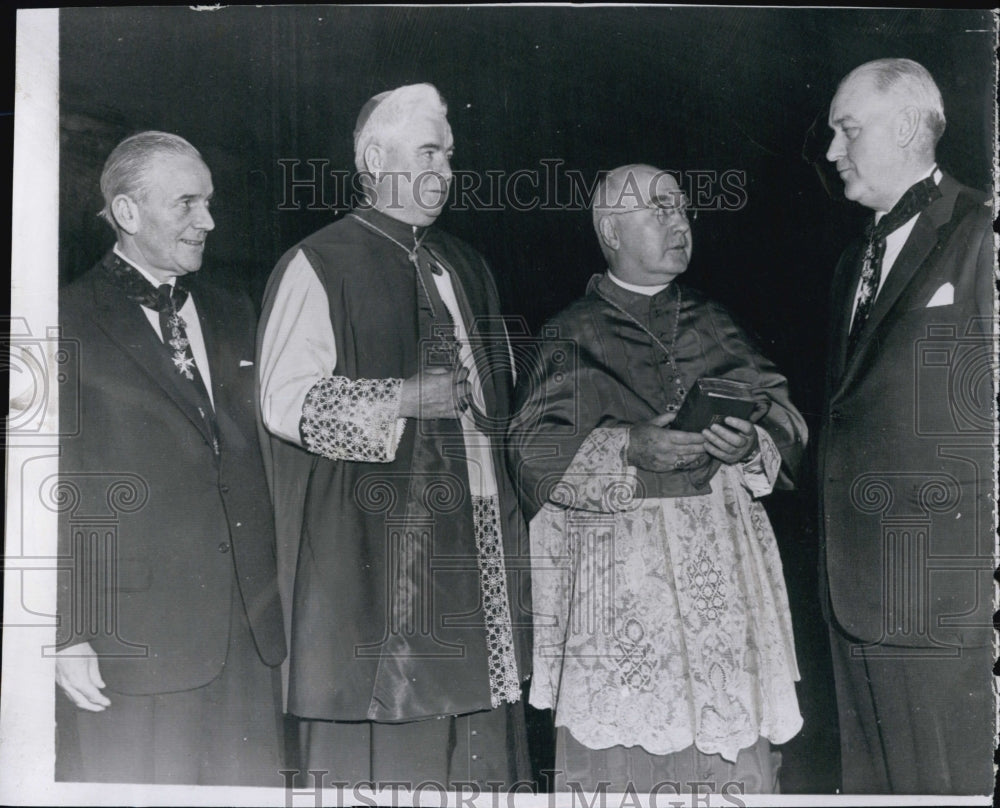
x,y
662,637
385,379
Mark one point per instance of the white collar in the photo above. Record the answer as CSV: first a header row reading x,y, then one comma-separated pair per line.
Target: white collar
x,y
648,291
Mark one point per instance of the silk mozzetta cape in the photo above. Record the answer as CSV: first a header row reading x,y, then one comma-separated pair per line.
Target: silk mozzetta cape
x,y
597,368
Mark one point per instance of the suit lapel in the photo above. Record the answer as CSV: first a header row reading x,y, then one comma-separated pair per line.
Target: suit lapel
x,y
849,275
921,242
126,325
220,331
213,336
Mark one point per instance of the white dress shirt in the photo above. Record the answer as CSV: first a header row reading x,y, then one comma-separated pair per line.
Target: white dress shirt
x,y
192,325
894,244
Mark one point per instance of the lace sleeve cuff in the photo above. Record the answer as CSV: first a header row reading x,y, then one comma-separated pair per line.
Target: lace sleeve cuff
x,y
353,419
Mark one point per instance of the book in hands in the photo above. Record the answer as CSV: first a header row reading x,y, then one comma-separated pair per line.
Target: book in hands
x,y
711,400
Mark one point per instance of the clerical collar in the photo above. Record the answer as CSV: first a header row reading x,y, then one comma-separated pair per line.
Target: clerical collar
x,y
933,170
156,283
648,291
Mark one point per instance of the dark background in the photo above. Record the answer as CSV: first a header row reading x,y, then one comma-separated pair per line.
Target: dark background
x,y
711,89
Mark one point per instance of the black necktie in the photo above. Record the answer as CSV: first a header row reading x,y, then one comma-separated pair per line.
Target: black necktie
x,y
166,300
914,201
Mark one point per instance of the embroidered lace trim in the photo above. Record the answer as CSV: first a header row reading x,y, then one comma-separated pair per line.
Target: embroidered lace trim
x,y
352,419
665,624
591,483
504,684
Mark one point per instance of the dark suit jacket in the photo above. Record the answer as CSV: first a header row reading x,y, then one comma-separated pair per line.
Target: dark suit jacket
x,y
152,517
906,466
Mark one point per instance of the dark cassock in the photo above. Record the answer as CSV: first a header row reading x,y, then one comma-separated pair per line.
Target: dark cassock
x,y
662,635
398,538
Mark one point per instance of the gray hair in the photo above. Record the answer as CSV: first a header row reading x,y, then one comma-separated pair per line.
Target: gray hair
x,y
125,169
385,113
914,83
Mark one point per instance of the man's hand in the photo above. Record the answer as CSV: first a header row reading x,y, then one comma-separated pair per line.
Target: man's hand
x,y
79,675
732,443
654,448
435,393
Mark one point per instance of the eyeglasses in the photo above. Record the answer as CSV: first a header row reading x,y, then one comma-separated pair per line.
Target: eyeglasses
x,y
666,209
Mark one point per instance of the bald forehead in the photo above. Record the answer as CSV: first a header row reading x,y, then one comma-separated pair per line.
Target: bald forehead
x,y
633,186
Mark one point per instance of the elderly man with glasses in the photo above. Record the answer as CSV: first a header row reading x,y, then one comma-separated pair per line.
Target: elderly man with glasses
x,y
663,639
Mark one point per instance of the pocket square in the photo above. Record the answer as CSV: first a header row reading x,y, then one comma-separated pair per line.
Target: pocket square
x,y
944,296
245,363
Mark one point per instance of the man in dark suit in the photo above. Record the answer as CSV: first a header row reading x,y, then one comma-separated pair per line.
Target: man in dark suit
x,y
906,459
170,626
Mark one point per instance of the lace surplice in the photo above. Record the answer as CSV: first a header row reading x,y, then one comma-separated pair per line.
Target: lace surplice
x,y
661,622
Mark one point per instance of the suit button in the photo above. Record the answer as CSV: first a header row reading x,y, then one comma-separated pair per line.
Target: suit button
x,y
223,547
224,489
835,414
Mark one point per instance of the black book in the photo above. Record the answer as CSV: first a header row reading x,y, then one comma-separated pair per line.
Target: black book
x,y
710,400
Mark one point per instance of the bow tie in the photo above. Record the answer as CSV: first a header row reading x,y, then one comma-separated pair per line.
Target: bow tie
x,y
168,298
139,290
914,201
